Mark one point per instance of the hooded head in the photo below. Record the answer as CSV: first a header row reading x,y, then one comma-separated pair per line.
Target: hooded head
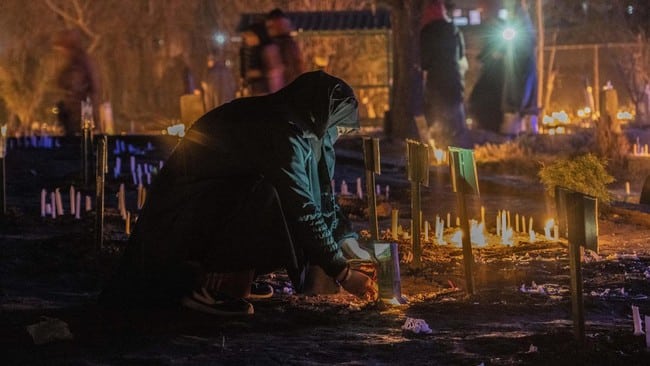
x,y
321,102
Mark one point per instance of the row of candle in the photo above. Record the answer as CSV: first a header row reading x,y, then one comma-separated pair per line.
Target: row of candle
x,y
345,190
52,203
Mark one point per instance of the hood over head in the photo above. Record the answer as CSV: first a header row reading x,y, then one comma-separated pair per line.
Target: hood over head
x,y
321,102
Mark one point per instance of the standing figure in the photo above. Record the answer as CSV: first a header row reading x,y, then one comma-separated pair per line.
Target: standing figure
x,y
219,85
247,190
77,80
260,60
443,60
279,28
507,85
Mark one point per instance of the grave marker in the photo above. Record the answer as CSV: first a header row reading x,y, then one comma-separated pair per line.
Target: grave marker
x,y
418,175
372,167
464,179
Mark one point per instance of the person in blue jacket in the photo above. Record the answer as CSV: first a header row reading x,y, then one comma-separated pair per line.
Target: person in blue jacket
x,y
247,190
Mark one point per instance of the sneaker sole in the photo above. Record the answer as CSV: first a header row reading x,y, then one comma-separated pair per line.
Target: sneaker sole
x,y
193,305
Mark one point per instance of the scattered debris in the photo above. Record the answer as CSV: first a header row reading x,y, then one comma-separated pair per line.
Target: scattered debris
x,y
416,326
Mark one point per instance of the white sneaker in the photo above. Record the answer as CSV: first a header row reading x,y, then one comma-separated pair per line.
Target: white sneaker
x,y
352,250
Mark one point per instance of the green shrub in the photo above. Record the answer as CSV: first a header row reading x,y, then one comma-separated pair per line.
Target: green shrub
x,y
586,174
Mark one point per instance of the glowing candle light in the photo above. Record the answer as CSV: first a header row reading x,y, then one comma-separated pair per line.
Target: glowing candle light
x,y
547,228
517,223
523,224
532,235
627,188
378,190
127,223
530,223
426,231
387,190
448,220
498,223
89,205
483,214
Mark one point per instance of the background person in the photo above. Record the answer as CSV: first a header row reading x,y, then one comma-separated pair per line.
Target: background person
x,y
279,28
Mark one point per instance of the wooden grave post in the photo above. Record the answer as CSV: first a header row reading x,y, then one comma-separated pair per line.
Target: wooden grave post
x,y
3,171
464,179
102,169
418,175
372,167
582,223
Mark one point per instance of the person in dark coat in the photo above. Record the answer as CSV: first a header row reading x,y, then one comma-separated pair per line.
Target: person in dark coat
x,y
443,60
260,60
248,190
77,80
508,80
279,28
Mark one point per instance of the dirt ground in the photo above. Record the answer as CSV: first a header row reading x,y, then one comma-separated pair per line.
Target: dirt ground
x,y
520,314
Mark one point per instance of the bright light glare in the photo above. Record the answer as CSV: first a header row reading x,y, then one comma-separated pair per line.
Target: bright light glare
x,y
219,38
509,34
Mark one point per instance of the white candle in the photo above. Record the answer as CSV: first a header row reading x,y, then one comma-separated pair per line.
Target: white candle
x,y
72,197
530,223
132,161
394,217
509,222
426,231
78,208
457,221
523,224
636,317
532,235
43,199
498,223
504,225
517,223
448,220
88,204
127,226
627,188
483,214
53,204
59,202
344,188
359,189
387,190
378,190
48,208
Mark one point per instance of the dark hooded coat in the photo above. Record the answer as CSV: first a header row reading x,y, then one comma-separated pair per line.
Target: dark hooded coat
x,y
247,188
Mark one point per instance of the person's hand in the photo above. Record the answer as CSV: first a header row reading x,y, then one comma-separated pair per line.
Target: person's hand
x,y
360,285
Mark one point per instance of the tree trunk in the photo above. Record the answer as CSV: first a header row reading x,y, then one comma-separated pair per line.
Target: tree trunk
x,y
406,92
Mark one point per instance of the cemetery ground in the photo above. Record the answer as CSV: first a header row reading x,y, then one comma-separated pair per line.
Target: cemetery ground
x,y
51,270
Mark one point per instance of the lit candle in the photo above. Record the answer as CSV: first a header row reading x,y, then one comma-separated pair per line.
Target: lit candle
x,y
627,188
532,235
517,223
43,199
498,223
132,161
88,204
387,190
504,224
509,222
523,224
426,231
127,223
556,234
530,223
359,189
59,202
457,221
344,188
483,214
394,217
448,220
78,206
53,204
378,190
72,197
